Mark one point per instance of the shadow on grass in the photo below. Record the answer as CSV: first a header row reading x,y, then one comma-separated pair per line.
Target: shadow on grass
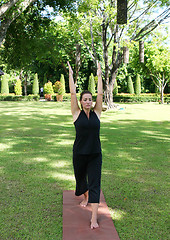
x,y
36,166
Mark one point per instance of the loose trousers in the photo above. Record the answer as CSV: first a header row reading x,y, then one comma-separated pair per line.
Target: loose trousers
x,y
87,170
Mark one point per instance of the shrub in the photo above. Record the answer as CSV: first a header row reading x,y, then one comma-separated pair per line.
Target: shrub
x,y
63,89
57,86
4,85
35,87
138,85
136,98
48,88
91,85
18,87
13,97
130,85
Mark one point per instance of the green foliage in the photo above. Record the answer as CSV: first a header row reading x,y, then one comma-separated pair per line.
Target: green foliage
x,y
59,88
4,85
91,84
130,85
48,88
138,85
13,97
62,89
18,87
144,97
115,88
35,88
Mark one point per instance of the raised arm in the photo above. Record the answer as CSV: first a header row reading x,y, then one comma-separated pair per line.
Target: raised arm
x,y
75,110
99,99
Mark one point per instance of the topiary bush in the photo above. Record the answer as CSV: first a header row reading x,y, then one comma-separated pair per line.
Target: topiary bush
x,y
18,87
4,85
138,85
48,88
130,85
35,87
62,81
91,84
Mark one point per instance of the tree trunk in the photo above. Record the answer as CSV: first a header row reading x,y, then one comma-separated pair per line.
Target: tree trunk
x,y
141,51
78,61
25,84
108,96
162,95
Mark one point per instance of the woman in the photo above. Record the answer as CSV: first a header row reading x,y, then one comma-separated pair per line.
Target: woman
x,y
87,157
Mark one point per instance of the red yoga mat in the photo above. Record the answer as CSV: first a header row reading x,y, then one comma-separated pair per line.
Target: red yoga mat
x,y
76,220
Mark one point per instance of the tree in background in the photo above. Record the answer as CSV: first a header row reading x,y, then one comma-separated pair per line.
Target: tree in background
x,y
4,85
18,87
12,9
91,84
35,87
158,64
62,80
138,85
97,26
130,85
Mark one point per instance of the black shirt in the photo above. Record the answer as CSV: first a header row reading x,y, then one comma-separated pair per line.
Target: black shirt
x,y
87,134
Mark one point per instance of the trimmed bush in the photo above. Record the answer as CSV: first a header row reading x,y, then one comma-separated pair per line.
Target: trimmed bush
x,y
147,97
138,85
35,87
48,88
13,97
130,85
4,85
63,89
18,88
91,85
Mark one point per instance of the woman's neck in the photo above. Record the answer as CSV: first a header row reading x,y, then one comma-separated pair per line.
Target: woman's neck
x,y
87,112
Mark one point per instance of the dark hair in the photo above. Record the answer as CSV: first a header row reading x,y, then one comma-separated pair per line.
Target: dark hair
x,y
84,92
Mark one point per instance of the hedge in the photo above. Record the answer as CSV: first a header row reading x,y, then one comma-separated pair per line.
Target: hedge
x,y
13,97
140,98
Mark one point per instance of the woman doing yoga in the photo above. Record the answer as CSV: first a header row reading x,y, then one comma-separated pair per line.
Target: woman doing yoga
x,y
87,156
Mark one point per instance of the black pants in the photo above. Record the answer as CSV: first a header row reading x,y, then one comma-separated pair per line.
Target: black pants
x,y
87,170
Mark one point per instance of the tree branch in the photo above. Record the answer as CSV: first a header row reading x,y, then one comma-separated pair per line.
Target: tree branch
x,y
5,7
152,25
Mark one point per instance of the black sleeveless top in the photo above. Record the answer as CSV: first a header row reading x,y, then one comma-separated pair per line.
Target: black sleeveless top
x,y
87,134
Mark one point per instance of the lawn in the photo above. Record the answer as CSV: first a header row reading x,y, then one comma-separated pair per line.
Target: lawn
x,y
36,141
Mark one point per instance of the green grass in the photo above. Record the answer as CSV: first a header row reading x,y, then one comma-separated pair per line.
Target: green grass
x,y
36,141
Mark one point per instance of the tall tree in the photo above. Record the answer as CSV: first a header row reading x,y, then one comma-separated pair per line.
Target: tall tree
x,y
97,21
158,64
10,10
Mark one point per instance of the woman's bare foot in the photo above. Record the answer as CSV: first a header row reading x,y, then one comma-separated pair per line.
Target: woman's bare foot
x,y
85,201
94,225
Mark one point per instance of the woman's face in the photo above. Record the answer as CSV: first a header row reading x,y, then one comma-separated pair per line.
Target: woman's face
x,y
86,101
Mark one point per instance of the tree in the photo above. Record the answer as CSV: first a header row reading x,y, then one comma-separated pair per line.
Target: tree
x,y
35,87
18,87
4,85
158,64
97,21
130,85
91,84
12,9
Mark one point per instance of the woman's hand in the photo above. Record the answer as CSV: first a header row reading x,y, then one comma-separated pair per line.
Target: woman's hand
x,y
70,69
